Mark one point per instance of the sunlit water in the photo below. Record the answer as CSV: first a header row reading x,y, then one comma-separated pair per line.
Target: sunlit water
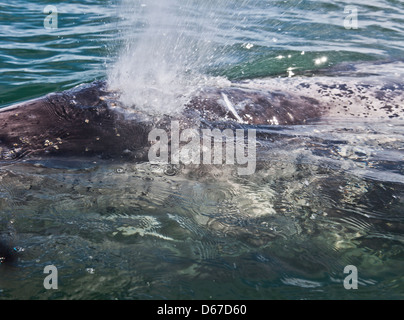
x,y
324,195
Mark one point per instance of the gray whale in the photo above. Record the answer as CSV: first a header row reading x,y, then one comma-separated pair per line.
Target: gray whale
x,y
89,120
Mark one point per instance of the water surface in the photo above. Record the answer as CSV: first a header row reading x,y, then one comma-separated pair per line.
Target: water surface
x,y
324,195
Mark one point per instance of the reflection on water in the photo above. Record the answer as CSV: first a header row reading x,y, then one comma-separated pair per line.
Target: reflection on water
x,y
323,197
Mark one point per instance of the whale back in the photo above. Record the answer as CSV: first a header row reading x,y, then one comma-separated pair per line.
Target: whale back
x,y
90,119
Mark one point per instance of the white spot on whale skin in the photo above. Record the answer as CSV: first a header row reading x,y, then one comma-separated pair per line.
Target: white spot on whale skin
x,y
231,108
274,121
290,116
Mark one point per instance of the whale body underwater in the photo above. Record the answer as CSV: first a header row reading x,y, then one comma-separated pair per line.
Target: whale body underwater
x,y
89,120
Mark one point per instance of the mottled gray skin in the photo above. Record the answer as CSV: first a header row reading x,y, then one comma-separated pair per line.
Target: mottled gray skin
x,y
89,120
256,107
86,121
75,122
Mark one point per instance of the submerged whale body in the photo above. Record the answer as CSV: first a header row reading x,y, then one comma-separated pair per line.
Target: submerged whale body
x,y
89,120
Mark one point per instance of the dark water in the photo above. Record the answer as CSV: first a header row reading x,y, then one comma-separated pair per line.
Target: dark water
x,y
324,196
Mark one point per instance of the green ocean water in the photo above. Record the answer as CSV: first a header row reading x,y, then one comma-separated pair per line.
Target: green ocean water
x,y
35,60
134,231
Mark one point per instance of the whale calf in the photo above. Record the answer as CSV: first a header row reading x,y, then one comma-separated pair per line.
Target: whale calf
x,y
89,120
